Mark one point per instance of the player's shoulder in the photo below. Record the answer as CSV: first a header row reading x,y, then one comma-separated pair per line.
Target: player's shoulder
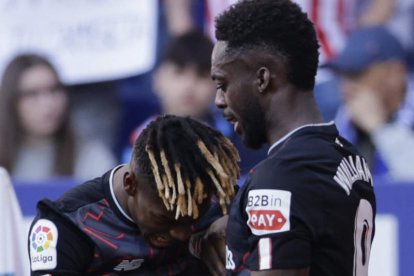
x,y
305,157
82,198
312,145
51,213
52,234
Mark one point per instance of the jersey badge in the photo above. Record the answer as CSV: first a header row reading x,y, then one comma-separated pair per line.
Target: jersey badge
x,y
43,239
268,211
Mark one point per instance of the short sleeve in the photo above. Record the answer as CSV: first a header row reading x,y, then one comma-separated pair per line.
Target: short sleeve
x,y
283,212
58,247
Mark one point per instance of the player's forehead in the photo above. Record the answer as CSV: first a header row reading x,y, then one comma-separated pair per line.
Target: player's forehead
x,y
223,62
219,52
223,56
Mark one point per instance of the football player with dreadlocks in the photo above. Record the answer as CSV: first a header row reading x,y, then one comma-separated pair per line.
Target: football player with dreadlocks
x,y
138,217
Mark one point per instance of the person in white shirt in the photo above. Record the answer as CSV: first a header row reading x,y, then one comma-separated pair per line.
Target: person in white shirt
x,y
14,257
37,142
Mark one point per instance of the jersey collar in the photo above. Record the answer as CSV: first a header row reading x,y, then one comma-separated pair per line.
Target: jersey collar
x,y
111,188
281,140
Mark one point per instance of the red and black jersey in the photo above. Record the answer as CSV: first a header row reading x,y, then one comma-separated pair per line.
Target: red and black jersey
x,y
310,203
86,232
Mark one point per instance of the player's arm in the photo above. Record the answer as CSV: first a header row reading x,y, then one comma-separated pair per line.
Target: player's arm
x,y
282,272
56,247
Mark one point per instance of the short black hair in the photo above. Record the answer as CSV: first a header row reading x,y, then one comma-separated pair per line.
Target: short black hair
x,y
193,48
188,161
276,25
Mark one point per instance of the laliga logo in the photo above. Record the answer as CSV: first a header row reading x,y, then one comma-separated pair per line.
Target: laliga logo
x,y
41,238
266,219
43,259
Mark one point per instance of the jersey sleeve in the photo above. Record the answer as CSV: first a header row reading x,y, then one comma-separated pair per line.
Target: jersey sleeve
x,y
282,210
57,247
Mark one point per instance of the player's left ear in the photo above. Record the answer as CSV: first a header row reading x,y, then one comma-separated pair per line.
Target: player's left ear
x,y
263,79
130,183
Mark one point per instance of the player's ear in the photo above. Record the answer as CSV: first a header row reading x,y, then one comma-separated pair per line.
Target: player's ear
x,y
130,183
263,79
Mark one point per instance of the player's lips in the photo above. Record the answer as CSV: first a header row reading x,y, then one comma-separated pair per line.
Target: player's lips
x,y
233,120
160,241
229,117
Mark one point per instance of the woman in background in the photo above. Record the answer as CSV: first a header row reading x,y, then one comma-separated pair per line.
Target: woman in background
x,y
36,140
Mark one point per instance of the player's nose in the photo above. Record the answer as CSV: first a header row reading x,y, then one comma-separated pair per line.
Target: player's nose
x,y
219,100
181,233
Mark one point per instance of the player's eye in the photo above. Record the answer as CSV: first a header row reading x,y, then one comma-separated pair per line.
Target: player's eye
x,y
221,87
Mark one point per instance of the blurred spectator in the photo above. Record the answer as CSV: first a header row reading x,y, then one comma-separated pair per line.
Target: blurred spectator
x,y
14,257
375,116
178,14
184,87
175,18
36,139
182,80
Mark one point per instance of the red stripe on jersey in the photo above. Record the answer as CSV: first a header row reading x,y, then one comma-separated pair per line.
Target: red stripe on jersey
x,y
244,259
93,216
90,231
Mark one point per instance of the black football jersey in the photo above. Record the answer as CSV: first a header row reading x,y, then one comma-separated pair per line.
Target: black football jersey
x,y
310,203
86,232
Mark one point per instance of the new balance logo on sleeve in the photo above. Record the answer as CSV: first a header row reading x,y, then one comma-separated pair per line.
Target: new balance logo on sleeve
x,y
127,265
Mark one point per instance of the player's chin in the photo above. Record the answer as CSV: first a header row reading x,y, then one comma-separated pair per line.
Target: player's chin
x,y
252,140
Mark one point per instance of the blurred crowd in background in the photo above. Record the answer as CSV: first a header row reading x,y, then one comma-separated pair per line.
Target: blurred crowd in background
x,y
55,125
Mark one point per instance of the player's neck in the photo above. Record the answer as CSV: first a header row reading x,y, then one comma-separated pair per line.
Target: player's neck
x,y
302,111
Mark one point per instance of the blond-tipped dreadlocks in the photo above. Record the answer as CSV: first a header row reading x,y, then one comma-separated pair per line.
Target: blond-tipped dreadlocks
x,y
188,161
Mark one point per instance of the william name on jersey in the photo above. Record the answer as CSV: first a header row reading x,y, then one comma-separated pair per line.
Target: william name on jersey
x,y
350,170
